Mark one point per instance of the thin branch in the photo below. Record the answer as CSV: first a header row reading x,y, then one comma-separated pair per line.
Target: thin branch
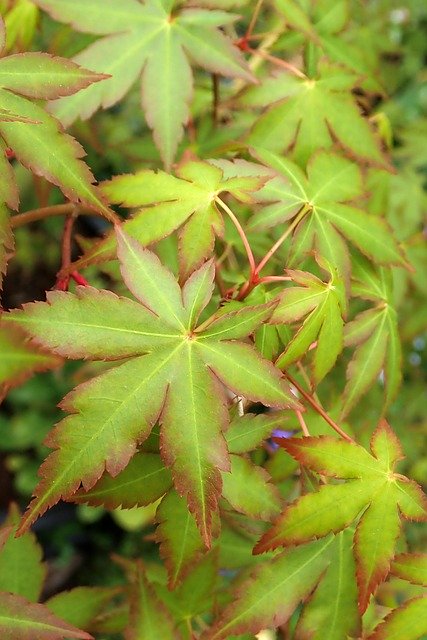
x,y
62,282
242,234
266,279
301,213
215,99
253,19
302,423
312,402
34,215
278,62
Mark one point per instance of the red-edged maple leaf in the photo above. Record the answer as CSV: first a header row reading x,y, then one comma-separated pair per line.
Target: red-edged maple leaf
x,y
174,372
372,488
152,39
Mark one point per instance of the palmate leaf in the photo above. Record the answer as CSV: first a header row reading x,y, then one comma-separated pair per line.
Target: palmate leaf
x,y
175,377
310,114
327,220
315,18
373,488
375,335
324,305
20,359
22,620
411,567
166,203
153,39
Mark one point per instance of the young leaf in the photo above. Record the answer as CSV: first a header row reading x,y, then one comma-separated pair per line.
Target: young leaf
x,y
373,486
150,40
21,620
308,114
325,215
177,382
21,569
272,593
325,304
167,203
408,621
20,359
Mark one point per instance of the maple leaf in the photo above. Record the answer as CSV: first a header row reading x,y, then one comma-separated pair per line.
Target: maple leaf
x,y
324,305
188,202
82,605
148,616
373,488
309,114
408,621
21,569
174,377
316,19
20,619
19,359
153,39
269,597
36,137
324,217
375,335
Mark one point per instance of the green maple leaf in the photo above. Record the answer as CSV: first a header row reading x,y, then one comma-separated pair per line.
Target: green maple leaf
x,y
153,39
35,136
21,569
323,305
20,620
375,335
174,376
272,593
411,567
82,605
320,198
148,617
165,203
310,114
19,359
408,621
315,18
373,488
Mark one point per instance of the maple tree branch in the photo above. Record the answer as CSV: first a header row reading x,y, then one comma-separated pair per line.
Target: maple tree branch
x,y
33,215
254,18
277,61
242,234
312,402
302,423
215,99
62,282
301,213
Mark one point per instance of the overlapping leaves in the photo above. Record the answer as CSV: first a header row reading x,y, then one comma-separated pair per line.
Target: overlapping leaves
x,y
153,38
323,305
35,137
166,203
373,487
22,576
173,372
